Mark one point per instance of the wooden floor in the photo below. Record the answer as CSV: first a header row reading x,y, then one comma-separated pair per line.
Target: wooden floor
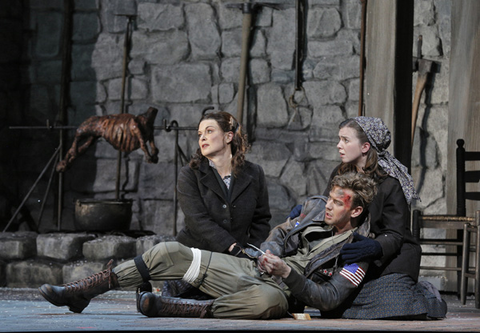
x,y
24,310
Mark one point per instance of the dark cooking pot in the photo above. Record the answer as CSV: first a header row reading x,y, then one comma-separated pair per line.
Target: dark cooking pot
x,y
103,215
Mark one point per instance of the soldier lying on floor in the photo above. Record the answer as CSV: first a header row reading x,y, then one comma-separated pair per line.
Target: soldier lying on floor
x,y
298,265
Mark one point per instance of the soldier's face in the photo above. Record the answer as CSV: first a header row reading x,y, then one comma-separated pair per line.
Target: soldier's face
x,y
339,210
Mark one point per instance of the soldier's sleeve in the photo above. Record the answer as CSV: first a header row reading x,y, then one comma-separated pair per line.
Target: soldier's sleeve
x,y
327,295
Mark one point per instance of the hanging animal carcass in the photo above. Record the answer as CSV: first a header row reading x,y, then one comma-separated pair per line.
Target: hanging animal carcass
x,y
125,132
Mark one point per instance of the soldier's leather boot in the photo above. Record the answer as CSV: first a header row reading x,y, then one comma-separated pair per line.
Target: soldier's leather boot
x,y
152,305
182,289
77,295
175,288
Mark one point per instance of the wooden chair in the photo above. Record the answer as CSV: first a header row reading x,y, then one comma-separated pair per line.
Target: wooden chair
x,y
467,271
451,222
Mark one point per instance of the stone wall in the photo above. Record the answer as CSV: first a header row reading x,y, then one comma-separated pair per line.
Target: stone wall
x,y
184,57
429,155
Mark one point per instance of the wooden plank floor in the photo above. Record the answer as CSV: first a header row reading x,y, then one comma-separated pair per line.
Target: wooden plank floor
x,y
24,310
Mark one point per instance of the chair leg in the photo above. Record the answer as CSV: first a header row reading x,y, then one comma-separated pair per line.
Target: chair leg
x,y
477,260
460,249
415,224
465,264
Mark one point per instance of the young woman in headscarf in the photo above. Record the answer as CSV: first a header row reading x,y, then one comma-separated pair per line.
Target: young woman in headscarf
x,y
390,289
395,255
224,197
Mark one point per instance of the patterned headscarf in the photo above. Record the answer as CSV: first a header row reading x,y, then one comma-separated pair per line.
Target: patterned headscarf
x,y
379,137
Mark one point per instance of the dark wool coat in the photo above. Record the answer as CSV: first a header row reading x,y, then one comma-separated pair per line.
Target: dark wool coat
x,y
211,221
390,222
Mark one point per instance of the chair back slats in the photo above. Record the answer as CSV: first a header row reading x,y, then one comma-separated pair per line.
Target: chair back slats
x,y
472,195
463,177
472,176
454,245
472,156
461,189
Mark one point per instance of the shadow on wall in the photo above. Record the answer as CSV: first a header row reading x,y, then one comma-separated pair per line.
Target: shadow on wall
x,y
52,78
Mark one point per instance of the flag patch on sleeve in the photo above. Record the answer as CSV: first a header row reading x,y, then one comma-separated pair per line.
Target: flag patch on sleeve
x,y
353,273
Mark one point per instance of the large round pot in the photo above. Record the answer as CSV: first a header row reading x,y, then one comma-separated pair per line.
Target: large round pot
x,y
103,215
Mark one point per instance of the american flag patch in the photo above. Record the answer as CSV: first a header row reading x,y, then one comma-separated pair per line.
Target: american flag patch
x,y
353,273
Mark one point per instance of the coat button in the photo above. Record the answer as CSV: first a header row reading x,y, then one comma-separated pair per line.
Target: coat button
x,y
225,221
224,206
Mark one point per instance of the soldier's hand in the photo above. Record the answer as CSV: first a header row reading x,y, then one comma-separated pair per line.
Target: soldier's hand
x,y
274,265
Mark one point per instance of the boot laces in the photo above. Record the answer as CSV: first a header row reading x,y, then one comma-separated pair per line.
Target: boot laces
x,y
185,308
92,280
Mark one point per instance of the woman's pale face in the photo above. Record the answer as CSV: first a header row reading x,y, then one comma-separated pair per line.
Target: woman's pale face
x,y
213,141
350,148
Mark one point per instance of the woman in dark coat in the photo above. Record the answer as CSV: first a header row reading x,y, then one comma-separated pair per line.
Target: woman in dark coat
x,y
224,198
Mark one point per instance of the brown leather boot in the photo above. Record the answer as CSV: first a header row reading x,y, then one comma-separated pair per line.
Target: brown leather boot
x,y
77,295
182,289
152,305
174,288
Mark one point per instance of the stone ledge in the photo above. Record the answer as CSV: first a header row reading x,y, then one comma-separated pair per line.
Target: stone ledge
x,y
19,245
108,247
62,246
28,260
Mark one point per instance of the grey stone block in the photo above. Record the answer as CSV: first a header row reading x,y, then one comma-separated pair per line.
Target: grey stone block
x,y
203,32
49,27
157,181
229,69
272,156
17,245
86,26
182,83
332,93
319,49
282,38
147,242
279,197
158,216
164,48
33,274
260,71
160,17
232,43
82,65
105,178
109,247
294,177
81,269
107,57
323,22
61,246
270,96
3,274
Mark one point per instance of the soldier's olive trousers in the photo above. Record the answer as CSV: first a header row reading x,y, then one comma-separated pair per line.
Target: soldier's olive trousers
x,y
238,288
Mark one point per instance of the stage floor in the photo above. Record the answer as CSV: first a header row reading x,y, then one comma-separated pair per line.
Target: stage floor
x,y
24,310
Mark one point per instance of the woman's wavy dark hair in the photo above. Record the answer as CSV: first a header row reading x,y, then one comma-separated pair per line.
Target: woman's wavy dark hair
x,y
372,168
239,143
